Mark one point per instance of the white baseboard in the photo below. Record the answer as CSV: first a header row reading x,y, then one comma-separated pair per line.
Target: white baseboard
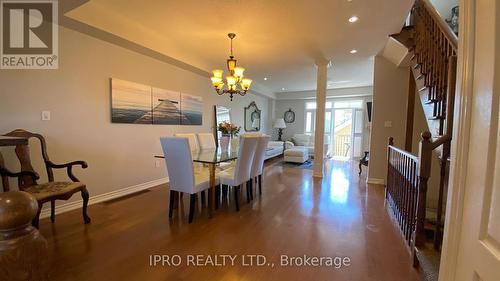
x,y
375,181
102,197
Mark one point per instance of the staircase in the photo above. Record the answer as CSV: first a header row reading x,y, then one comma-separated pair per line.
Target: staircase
x,y
432,59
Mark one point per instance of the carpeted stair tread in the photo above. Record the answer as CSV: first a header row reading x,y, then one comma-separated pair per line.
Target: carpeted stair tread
x,y
429,262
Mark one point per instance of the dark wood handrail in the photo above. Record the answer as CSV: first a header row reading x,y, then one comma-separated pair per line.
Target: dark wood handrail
x,y
445,28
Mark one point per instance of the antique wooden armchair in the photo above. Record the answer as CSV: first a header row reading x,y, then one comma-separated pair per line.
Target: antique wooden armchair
x,y
364,161
50,191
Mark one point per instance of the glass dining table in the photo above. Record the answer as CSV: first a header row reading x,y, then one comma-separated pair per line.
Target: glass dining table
x,y
211,157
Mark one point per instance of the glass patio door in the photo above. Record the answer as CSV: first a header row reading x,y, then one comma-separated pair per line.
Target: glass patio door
x,y
342,133
347,133
357,134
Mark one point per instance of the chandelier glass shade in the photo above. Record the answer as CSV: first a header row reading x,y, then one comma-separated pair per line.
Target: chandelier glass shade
x,y
233,80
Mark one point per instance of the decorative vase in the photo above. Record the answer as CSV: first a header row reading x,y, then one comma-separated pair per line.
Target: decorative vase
x,y
234,143
224,142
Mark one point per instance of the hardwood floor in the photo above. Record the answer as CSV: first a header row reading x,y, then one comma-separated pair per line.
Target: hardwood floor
x,y
295,216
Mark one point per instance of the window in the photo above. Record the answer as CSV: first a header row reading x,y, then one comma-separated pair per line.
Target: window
x,y
312,105
328,121
309,122
348,104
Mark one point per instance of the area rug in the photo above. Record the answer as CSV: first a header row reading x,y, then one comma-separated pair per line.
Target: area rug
x,y
306,165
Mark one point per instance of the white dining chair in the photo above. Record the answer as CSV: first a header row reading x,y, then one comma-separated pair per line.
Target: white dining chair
x,y
193,146
182,177
206,141
240,173
258,163
193,141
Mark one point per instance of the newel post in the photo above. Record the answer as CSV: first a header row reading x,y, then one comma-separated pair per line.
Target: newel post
x,y
424,171
23,250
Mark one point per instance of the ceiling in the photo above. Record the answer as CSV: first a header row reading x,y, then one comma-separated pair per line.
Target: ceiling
x,y
277,39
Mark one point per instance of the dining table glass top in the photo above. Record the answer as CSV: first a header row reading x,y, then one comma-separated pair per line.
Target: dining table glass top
x,y
212,156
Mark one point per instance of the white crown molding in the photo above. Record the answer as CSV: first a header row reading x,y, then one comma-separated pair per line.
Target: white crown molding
x,y
102,197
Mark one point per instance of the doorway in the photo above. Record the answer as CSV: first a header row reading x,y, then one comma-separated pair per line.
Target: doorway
x,y
347,130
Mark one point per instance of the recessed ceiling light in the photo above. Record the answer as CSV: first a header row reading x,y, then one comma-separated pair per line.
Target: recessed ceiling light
x,y
282,89
353,51
265,78
353,19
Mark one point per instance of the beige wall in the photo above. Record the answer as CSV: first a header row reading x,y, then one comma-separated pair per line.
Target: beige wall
x,y
390,92
78,95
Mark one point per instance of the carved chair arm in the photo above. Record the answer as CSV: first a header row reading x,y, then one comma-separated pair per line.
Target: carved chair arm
x,y
69,168
5,172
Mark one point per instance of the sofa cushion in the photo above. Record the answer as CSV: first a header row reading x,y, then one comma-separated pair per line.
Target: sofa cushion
x,y
301,139
275,144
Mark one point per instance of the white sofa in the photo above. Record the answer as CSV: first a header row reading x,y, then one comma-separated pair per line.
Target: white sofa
x,y
306,142
274,148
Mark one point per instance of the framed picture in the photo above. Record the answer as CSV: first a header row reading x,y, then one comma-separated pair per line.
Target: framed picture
x,y
130,102
135,103
191,109
289,116
166,107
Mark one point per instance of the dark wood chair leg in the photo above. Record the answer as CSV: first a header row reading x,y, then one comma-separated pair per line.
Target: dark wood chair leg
x,y
173,195
217,197
36,219
250,184
360,169
192,204
237,197
53,211
248,192
85,197
203,199
224,190
259,178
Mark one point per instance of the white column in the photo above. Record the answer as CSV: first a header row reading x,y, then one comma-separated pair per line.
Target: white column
x,y
319,132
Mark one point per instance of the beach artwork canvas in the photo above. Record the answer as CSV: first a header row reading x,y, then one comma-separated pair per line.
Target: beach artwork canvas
x,y
136,103
166,107
130,102
192,109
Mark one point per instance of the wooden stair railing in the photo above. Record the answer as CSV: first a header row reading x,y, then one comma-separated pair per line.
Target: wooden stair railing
x,y
434,64
435,58
402,189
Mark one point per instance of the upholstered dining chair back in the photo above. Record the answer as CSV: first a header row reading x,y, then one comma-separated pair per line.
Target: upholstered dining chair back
x,y
179,164
243,165
206,141
193,141
259,157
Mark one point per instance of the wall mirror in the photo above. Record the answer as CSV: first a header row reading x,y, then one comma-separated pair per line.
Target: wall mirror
x,y
252,118
221,114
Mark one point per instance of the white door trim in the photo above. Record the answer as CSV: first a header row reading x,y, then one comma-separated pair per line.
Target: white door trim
x,y
460,142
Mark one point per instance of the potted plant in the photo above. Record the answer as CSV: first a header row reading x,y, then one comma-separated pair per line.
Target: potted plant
x,y
228,131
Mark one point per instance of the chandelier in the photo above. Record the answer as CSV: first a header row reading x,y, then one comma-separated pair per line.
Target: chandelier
x,y
234,79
